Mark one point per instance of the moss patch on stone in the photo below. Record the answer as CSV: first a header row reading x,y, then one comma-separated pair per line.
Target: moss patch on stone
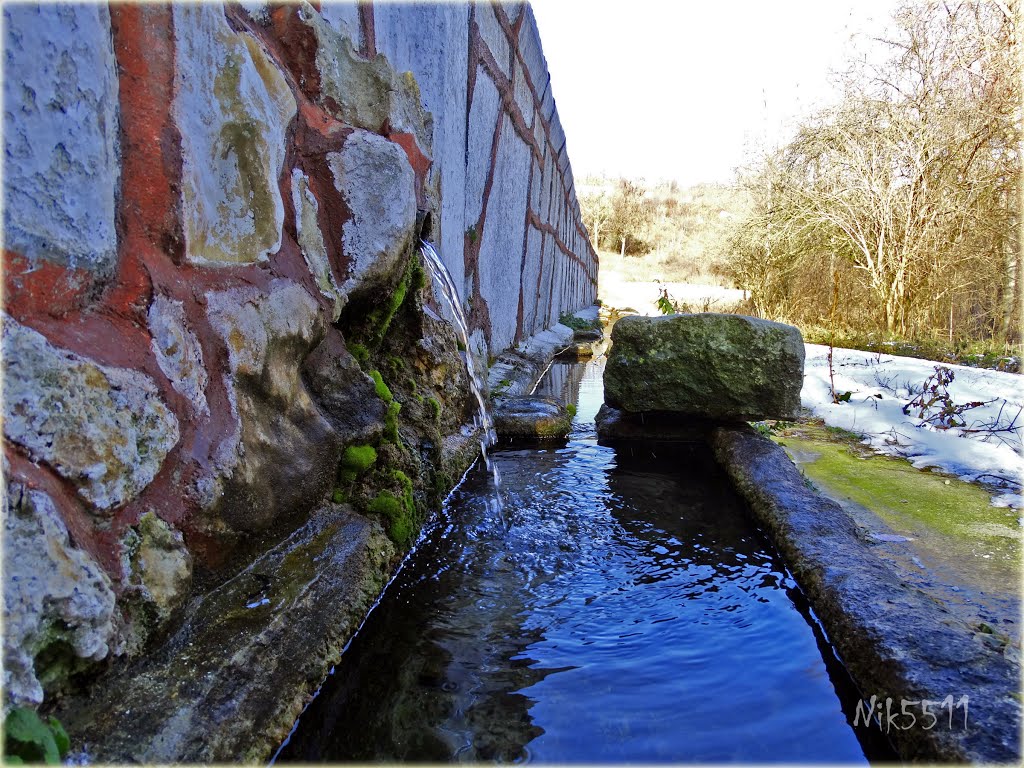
x,y
355,460
382,390
909,500
360,353
391,421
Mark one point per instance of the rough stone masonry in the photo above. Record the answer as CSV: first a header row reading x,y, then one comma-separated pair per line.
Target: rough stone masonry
x,y
211,293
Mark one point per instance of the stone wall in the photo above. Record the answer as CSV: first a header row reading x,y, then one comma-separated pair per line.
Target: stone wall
x,y
211,216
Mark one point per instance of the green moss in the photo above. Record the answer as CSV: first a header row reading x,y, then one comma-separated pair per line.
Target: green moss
x,y
435,408
380,319
398,517
360,353
571,409
391,421
380,387
339,496
956,516
355,460
578,323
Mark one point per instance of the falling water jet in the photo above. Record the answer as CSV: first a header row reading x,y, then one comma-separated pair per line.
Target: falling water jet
x,y
482,419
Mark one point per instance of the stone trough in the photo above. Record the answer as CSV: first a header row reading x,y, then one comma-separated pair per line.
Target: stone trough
x,y
699,378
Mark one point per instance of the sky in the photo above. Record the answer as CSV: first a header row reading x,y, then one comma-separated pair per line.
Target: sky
x,y
680,89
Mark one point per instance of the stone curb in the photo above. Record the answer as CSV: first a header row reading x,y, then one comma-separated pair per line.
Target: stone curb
x,y
896,642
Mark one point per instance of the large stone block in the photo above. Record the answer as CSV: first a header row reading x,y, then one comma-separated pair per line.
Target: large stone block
x,y
61,134
366,93
723,367
378,185
280,457
232,106
105,429
57,600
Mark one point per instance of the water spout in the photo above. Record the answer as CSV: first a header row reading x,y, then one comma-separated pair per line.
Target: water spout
x,y
446,285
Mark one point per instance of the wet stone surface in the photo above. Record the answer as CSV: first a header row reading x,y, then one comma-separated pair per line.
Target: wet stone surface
x,y
531,416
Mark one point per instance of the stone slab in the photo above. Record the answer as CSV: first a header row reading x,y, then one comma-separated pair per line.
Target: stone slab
x,y
895,642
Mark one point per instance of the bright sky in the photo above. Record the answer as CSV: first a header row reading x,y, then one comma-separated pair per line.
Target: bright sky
x,y
680,88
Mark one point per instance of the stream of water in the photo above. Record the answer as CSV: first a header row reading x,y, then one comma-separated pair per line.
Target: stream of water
x,y
622,608
450,294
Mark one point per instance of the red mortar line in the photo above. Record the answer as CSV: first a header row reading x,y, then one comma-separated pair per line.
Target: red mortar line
x,y
534,220
367,30
508,98
512,36
506,89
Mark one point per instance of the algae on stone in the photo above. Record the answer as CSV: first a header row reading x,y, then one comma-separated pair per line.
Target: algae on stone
x,y
724,367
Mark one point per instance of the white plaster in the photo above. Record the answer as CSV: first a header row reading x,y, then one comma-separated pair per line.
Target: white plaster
x,y
343,18
232,106
61,134
531,296
523,95
501,246
493,35
483,117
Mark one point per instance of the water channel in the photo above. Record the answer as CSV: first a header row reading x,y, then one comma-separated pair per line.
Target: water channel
x,y
621,607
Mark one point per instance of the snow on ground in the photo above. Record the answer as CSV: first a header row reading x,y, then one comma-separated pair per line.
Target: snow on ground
x,y
643,296
986,449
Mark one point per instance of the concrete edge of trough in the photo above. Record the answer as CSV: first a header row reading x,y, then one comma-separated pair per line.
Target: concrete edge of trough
x,y
900,646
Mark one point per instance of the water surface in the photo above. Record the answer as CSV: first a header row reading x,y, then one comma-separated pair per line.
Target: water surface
x,y
620,606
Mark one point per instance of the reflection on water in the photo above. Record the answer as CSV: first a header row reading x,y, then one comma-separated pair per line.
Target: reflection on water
x,y
623,609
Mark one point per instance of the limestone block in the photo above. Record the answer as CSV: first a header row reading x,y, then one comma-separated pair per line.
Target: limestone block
x,y
55,598
105,429
178,352
232,106
366,93
722,367
158,568
61,134
483,116
503,235
311,241
378,185
281,455
343,391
